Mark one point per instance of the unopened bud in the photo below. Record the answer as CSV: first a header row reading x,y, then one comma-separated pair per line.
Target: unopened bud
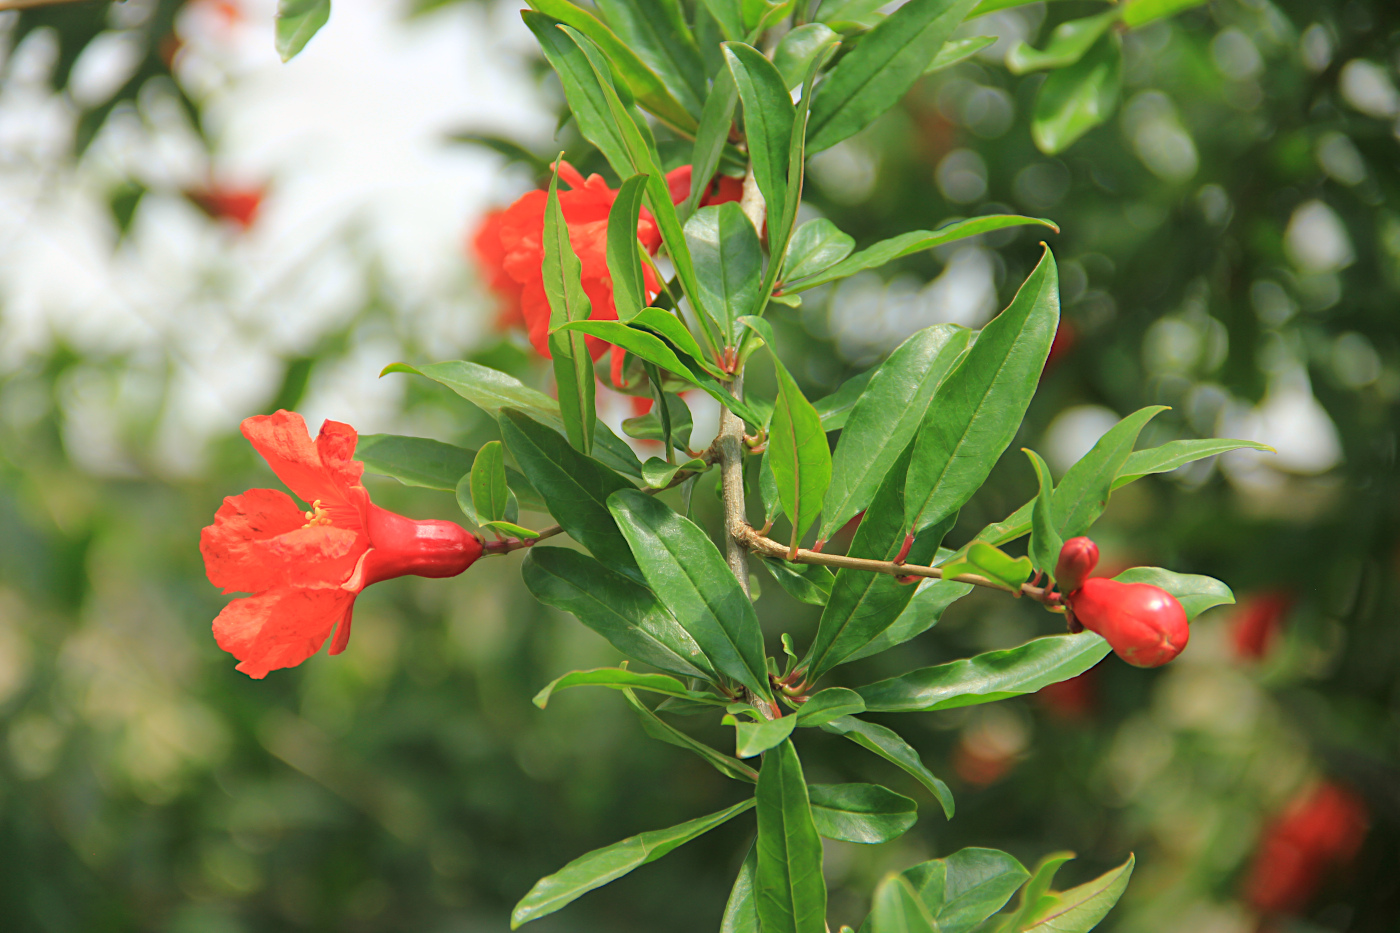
x,y
1077,560
1144,623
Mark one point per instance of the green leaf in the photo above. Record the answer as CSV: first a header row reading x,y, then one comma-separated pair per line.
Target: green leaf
x,y
582,90
761,14
667,325
488,482
994,564
1082,494
888,745
1045,538
619,678
1034,890
663,731
656,30
648,427
1175,454
1196,593
716,120
816,245
825,705
955,51
988,677
872,78
414,461
897,909
1141,12
799,454
1080,909
741,910
640,80
885,418
967,887
835,409
808,583
922,613
863,813
1067,45
799,49
768,487
575,487
658,474
626,613
791,890
978,408
691,579
601,866
1074,100
729,14
563,286
510,529
624,251
728,263
493,391
768,119
754,738
912,242
297,22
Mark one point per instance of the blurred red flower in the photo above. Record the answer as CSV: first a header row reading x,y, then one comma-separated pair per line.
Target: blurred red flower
x,y
1255,624
1322,828
305,568
239,205
1071,699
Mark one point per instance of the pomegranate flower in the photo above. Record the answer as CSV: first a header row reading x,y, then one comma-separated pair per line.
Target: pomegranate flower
x,y
305,567
1145,624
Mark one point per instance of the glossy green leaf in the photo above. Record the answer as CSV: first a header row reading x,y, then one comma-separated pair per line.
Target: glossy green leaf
x,y
978,408
912,242
1082,492
666,325
967,887
624,250
691,579
728,263
563,287
835,409
582,89
601,866
641,81
987,677
414,461
799,49
1080,909
716,120
862,813
656,30
816,245
888,745
619,678
575,487
768,119
741,910
896,908
755,738
1034,891
987,561
624,612
659,729
493,391
888,60
1045,537
1141,12
1195,592
789,883
798,451
808,583
488,482
1067,44
658,474
1173,454
297,22
922,613
510,529
885,418
955,51
1074,100
832,703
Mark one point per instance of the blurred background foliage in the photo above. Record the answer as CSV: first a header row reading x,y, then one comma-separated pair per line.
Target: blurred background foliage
x,y
1230,246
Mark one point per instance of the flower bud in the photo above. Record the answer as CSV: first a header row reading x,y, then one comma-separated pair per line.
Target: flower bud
x,y
400,546
1077,560
1144,623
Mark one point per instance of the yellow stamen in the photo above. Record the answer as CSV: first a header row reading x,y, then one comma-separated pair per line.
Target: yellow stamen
x,y
318,515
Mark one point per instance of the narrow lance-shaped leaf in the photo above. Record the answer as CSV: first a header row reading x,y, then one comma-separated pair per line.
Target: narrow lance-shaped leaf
x,y
656,30
978,408
297,22
1045,537
690,578
1174,454
768,119
1080,909
728,263
488,483
1074,100
716,119
568,303
1067,45
888,745
662,731
800,457
867,814
620,678
1034,891
624,250
601,866
741,910
922,613
791,890
415,461
955,51
623,611
1083,492
1141,12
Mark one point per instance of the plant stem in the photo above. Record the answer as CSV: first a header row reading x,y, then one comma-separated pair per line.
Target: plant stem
x,y
730,443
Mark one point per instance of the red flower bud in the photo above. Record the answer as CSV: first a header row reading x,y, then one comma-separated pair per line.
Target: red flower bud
x,y
1078,558
1144,623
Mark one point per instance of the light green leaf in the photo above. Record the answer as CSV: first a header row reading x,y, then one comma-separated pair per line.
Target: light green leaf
x,y
297,22
510,529
1195,592
1141,12
997,565
832,703
624,250
716,119
488,482
897,909
816,245
790,887
867,814
1082,493
1067,44
1045,537
601,866
967,887
754,738
620,678
667,325
1034,891
835,409
563,286
958,50
658,474
1173,454
799,49
1080,909
656,30
1074,100
888,745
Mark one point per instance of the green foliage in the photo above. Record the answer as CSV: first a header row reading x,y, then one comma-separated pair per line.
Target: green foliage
x,y
788,883
297,22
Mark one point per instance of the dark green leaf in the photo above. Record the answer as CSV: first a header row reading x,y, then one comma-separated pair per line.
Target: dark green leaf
x,y
657,32
832,703
716,120
799,49
808,583
663,731
415,461
991,676
667,325
297,22
1045,536
754,738
619,678
888,745
624,251
626,613
958,50
922,613
582,89
816,245
913,242
1175,454
728,263
691,579
1074,100
1196,593
741,910
967,887
864,813
897,909
488,483
875,74
885,418
1067,45
791,890
601,866
768,119
978,408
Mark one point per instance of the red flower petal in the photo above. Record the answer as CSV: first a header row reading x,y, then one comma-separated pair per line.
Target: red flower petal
x,y
280,628
241,522
286,445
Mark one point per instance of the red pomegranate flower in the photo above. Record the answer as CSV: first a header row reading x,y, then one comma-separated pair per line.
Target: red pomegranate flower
x,y
1145,624
238,205
1322,828
305,568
